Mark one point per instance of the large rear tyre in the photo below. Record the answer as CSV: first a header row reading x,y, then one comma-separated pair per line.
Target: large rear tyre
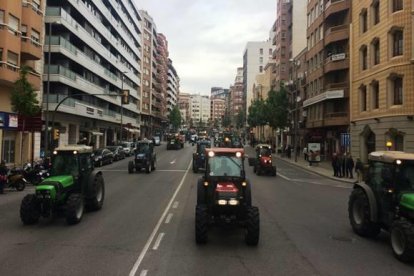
x,y
96,194
402,240
359,215
274,171
252,226
154,165
201,193
131,166
195,168
201,224
74,208
29,210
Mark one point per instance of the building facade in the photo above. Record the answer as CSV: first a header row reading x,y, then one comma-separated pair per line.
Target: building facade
x,y
173,89
183,103
328,82
236,103
21,41
218,110
162,71
382,98
199,107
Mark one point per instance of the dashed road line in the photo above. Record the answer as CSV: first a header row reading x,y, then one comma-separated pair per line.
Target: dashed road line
x,y
158,241
175,205
157,227
284,177
169,217
172,162
143,273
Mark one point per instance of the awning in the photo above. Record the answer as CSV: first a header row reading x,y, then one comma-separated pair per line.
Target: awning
x,y
96,133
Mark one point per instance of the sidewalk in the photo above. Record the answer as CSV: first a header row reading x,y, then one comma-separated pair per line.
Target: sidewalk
x,y
322,168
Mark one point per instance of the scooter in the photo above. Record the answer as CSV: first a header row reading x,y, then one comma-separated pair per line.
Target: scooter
x,y
34,174
16,180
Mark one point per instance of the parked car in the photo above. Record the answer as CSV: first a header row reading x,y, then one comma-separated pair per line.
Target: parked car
x,y
128,148
102,157
118,152
156,140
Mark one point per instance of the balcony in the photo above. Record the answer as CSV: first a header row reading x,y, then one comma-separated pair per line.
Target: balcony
x,y
334,6
32,17
9,73
336,33
331,93
336,119
336,62
30,49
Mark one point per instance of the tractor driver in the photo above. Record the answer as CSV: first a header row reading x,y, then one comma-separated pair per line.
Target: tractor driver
x,y
223,168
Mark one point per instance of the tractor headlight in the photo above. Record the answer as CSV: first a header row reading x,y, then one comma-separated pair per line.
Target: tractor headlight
x,y
233,202
238,154
222,202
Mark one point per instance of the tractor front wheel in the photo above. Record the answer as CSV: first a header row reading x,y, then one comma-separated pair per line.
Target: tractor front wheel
x,y
252,226
96,194
154,165
359,215
148,168
29,210
402,240
201,224
74,208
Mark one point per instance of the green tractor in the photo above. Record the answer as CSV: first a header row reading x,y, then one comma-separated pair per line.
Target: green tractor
x,y
386,201
74,186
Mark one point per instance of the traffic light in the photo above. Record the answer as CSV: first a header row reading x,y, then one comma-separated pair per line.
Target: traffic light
x,y
125,96
56,134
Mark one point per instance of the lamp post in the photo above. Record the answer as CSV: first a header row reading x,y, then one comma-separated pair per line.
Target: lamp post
x,y
122,106
46,138
297,100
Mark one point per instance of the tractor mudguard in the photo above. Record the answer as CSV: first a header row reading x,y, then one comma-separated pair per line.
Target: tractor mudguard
x,y
373,206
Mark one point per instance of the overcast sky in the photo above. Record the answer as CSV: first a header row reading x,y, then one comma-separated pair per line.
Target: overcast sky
x,y
206,38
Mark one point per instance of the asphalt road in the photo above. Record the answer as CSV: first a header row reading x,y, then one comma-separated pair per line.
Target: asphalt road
x,y
147,228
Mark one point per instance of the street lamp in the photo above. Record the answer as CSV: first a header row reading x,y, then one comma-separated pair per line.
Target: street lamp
x,y
46,138
122,106
297,100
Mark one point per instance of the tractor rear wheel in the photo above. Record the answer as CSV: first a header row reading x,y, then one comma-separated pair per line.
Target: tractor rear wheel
x,y
29,210
195,169
74,208
252,226
359,215
274,171
201,224
131,166
402,240
96,194
201,193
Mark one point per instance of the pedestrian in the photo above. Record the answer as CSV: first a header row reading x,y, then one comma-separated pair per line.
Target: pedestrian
x,y
311,157
289,151
3,176
359,167
334,163
305,153
349,166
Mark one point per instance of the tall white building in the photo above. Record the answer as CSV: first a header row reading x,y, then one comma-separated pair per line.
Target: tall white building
x,y
95,53
255,58
199,108
173,87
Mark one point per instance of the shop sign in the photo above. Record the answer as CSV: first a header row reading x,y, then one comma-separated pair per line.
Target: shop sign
x,y
8,120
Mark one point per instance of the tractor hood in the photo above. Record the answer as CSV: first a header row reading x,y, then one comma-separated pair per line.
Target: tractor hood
x,y
63,180
407,201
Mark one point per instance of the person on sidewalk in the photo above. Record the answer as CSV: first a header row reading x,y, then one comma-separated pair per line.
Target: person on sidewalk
x,y
334,163
3,176
349,166
305,153
359,167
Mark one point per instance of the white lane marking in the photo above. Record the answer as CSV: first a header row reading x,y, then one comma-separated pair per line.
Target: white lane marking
x,y
172,162
171,170
157,227
158,241
169,217
175,205
284,177
143,273
157,170
319,183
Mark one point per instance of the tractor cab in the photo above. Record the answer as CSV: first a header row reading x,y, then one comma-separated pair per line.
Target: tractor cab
x,y
386,201
199,156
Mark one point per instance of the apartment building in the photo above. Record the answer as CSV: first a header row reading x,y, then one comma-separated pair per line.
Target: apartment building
x,y
199,109
328,82
173,89
92,54
21,39
236,103
382,102
162,71
183,103
218,109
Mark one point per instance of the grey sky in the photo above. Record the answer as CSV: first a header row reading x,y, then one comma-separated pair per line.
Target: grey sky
x,y
207,37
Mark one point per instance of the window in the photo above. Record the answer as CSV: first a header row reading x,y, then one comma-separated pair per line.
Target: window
x,y
375,94
24,30
364,21
376,12
376,51
397,90
1,54
397,5
397,43
364,56
35,36
12,58
270,51
36,4
261,69
363,97
261,59
1,16
261,51
13,23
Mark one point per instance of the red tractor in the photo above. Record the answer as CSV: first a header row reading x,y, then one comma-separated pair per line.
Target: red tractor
x,y
224,196
263,163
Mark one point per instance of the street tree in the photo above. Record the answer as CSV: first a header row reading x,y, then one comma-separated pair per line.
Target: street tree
x,y
257,115
277,109
175,118
240,119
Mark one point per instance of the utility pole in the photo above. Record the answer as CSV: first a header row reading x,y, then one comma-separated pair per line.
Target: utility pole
x,y
122,105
